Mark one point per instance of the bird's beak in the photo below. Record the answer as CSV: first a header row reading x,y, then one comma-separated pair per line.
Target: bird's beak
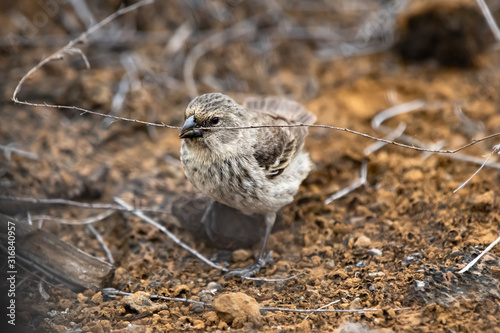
x,y
190,129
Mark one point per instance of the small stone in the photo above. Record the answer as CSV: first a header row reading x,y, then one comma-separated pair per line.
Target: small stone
x,y
237,308
82,298
362,241
420,285
198,325
356,304
375,275
330,264
97,298
282,266
197,308
241,255
213,286
222,326
375,252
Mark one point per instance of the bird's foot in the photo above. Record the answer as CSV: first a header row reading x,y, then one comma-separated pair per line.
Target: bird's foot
x,y
251,270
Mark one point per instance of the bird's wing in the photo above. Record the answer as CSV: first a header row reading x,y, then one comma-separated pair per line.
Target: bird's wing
x,y
290,110
278,145
275,149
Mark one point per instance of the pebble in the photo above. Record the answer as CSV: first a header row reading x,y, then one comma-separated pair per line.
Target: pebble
x,y
241,255
362,241
330,264
237,308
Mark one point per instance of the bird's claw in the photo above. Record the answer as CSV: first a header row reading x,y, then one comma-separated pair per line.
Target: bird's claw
x,y
251,270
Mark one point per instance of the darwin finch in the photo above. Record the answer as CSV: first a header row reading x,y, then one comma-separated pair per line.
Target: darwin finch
x,y
257,170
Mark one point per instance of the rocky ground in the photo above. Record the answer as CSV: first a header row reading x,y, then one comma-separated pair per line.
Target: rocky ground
x,y
393,247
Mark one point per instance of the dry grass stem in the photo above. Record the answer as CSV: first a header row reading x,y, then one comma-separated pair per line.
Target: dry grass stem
x,y
473,262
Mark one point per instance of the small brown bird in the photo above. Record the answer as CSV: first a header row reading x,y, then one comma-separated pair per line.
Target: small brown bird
x,y
257,170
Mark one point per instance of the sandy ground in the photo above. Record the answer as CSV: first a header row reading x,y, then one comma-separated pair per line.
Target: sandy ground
x,y
394,245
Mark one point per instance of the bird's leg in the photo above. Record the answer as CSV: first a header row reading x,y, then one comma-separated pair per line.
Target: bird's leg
x,y
206,220
261,260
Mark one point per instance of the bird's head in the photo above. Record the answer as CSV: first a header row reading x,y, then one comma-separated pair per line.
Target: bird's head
x,y
207,112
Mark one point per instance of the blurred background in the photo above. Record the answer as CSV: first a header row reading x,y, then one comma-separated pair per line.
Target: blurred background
x,y
424,72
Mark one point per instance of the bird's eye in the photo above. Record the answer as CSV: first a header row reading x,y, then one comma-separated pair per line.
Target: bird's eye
x,y
214,120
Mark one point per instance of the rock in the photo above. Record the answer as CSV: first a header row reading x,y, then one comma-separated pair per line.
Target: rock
x,y
207,295
375,252
330,264
237,308
198,325
241,255
82,298
356,304
362,241
97,298
140,301
213,286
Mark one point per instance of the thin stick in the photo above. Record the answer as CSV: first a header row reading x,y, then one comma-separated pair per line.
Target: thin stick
x,y
356,184
168,233
440,151
489,18
272,280
103,244
8,150
323,307
177,241
473,262
495,149
90,220
326,310
112,293
475,160
397,110
70,48
82,204
396,133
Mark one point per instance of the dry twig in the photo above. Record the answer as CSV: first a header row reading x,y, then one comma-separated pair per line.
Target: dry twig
x,y
168,233
81,204
490,19
495,150
473,262
112,293
103,244
90,220
187,247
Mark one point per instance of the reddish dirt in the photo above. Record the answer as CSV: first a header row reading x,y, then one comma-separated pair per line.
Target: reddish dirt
x,y
395,244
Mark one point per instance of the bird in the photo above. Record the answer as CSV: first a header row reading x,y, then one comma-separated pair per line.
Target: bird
x,y
256,170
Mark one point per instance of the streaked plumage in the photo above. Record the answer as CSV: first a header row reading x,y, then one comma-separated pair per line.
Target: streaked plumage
x,y
253,170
